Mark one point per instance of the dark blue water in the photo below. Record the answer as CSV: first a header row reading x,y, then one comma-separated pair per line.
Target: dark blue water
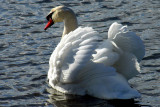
x,y
25,49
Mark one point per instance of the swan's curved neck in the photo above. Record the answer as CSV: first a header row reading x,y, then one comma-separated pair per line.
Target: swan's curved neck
x,y
70,23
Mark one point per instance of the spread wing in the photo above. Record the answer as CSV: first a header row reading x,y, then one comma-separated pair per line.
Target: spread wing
x,y
123,50
72,53
127,40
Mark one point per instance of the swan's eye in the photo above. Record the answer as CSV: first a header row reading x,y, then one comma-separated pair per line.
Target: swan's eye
x,y
49,16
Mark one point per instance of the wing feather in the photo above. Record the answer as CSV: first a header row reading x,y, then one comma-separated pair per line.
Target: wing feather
x,y
72,54
126,40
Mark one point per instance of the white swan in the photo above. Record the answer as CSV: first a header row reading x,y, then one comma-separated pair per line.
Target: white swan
x,y
81,65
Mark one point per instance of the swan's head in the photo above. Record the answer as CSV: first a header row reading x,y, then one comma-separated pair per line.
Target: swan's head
x,y
57,14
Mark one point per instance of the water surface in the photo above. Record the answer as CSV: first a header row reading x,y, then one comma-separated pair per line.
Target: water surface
x,y
25,49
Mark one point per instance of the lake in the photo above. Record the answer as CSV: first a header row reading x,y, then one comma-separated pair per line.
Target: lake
x,y
25,49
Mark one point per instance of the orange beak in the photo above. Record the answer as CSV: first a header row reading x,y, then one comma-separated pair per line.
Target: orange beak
x,y
49,24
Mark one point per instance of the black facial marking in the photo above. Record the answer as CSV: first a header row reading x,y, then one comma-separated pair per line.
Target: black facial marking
x,y
49,16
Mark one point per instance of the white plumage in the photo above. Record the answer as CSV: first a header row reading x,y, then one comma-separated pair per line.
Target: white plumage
x,y
81,65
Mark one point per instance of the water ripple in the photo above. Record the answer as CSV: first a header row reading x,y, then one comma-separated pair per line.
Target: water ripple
x,y
153,56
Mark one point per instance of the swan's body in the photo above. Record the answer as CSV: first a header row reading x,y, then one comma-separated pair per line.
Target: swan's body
x,y
81,65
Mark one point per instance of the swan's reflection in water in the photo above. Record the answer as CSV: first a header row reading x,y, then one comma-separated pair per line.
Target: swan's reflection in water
x,y
62,100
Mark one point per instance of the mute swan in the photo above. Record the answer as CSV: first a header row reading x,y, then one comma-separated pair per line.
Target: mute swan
x,y
81,65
